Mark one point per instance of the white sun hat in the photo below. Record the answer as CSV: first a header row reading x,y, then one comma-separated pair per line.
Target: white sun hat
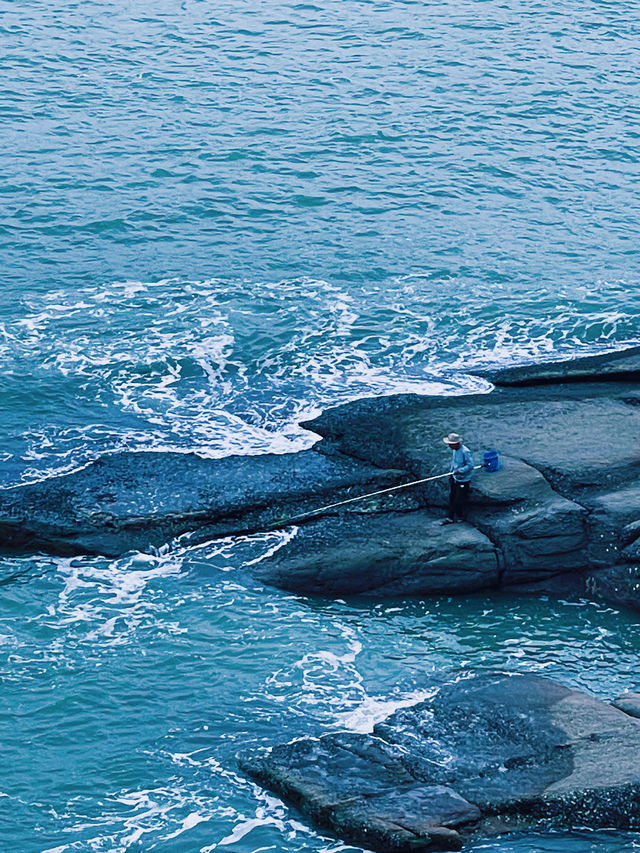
x,y
452,438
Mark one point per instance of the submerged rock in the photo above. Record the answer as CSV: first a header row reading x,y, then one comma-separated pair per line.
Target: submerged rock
x,y
489,753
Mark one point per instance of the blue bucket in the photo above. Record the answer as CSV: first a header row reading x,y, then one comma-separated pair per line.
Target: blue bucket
x,y
491,460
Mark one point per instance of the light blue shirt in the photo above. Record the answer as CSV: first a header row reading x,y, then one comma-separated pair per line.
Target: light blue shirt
x,y
462,462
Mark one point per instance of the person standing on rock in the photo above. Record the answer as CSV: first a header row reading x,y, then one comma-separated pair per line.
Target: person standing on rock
x,y
460,479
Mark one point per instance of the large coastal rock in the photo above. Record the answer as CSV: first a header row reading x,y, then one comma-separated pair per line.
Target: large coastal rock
x,y
388,554
127,501
488,753
567,499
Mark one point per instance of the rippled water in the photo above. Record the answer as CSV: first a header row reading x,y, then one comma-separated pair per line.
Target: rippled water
x,y
131,685
217,219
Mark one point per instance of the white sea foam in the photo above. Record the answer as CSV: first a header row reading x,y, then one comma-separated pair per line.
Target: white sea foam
x,y
230,552
372,710
220,369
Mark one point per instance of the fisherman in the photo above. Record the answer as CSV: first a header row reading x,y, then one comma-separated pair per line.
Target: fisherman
x,y
460,478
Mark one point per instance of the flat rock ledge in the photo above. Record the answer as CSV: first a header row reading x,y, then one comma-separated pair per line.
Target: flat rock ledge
x,y
565,505
489,753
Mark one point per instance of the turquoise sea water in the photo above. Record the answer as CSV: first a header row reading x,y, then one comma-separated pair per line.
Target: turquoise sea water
x,y
217,219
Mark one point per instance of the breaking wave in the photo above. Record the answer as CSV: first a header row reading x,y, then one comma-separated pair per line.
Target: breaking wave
x,y
231,368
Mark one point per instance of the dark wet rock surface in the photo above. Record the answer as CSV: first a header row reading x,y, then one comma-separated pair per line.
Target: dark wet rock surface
x,y
629,703
389,554
488,753
620,364
127,501
567,499
565,503
618,585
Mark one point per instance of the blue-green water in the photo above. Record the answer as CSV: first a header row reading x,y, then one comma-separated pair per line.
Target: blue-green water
x,y
217,219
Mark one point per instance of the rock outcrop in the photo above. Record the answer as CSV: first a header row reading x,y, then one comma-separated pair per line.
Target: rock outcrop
x,y
567,499
620,364
126,501
388,554
488,753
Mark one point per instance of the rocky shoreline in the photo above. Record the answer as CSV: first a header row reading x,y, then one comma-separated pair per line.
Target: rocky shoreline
x,y
564,508
489,753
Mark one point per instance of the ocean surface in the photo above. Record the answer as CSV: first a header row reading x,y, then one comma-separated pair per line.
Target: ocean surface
x,y
220,218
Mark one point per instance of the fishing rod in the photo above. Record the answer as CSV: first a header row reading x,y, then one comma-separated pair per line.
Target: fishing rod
x,y
322,509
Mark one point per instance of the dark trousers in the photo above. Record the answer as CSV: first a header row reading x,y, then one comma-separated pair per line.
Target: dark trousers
x,y
458,498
